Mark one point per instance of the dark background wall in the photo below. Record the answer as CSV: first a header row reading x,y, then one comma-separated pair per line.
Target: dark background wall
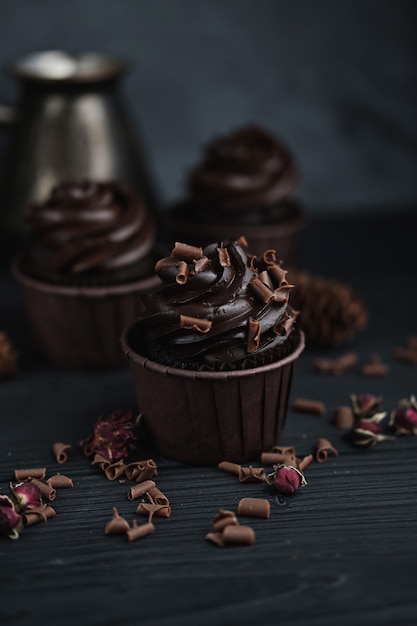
x,y
336,80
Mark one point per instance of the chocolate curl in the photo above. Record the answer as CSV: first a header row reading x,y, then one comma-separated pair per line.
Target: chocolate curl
x,y
336,366
139,531
216,538
101,461
305,462
323,447
39,514
182,273
269,257
201,264
281,294
283,325
59,451
222,519
60,481
254,507
343,417
251,474
239,535
47,491
274,458
305,405
115,470
138,490
264,277
242,241
184,252
406,354
117,525
253,263
289,450
224,258
230,468
155,496
23,475
195,323
254,336
373,366
279,275
261,291
141,470
164,263
149,509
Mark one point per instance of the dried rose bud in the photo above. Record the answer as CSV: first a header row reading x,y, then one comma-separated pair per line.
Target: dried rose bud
x,y
404,419
10,520
286,479
365,404
368,431
112,437
26,495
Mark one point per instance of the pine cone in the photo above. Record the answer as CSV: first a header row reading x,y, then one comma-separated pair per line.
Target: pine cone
x,y
8,357
330,312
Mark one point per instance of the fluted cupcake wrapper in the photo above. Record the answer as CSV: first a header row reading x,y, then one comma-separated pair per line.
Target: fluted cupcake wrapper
x,y
80,327
206,417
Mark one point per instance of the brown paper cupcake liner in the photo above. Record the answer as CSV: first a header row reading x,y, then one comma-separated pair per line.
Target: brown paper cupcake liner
x,y
207,417
80,327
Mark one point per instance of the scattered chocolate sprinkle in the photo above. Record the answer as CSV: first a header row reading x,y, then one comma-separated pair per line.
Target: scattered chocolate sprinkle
x,y
254,507
306,405
101,461
47,490
216,538
242,241
373,366
406,354
141,470
271,458
22,475
261,291
254,335
115,470
155,496
251,474
8,357
343,417
60,481
337,366
182,273
241,535
59,450
222,519
139,489
269,257
230,468
305,462
150,509
323,447
195,323
184,252
224,258
138,531
117,525
38,514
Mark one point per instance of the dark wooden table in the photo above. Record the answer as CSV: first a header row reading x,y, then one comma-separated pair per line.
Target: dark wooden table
x,y
341,551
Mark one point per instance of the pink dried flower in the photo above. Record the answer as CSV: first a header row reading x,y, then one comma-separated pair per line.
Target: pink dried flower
x,y
112,437
286,479
26,495
369,431
365,404
10,520
404,419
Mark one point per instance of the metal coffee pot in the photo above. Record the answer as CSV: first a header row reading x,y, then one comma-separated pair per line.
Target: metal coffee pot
x,y
70,124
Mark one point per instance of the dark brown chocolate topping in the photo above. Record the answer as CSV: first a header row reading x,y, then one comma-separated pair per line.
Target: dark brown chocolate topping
x,y
89,226
246,169
224,313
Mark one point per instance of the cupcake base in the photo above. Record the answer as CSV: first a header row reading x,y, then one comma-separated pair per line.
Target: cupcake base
x,y
80,327
207,417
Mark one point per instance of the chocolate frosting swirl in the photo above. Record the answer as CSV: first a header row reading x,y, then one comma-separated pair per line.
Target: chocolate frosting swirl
x,y
244,170
218,307
91,226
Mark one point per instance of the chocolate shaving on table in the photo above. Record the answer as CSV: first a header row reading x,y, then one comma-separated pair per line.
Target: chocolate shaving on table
x,y
9,358
405,354
240,535
117,525
138,531
254,507
261,291
272,458
185,252
59,450
224,258
373,366
140,489
101,461
323,447
60,481
150,509
254,336
412,342
289,450
47,491
216,538
343,417
222,519
23,475
304,462
141,470
39,514
195,323
155,495
306,405
230,468
336,366
251,474
182,273
115,470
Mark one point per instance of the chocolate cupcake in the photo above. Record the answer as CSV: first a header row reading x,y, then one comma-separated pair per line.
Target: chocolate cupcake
x,y
88,262
244,185
212,355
